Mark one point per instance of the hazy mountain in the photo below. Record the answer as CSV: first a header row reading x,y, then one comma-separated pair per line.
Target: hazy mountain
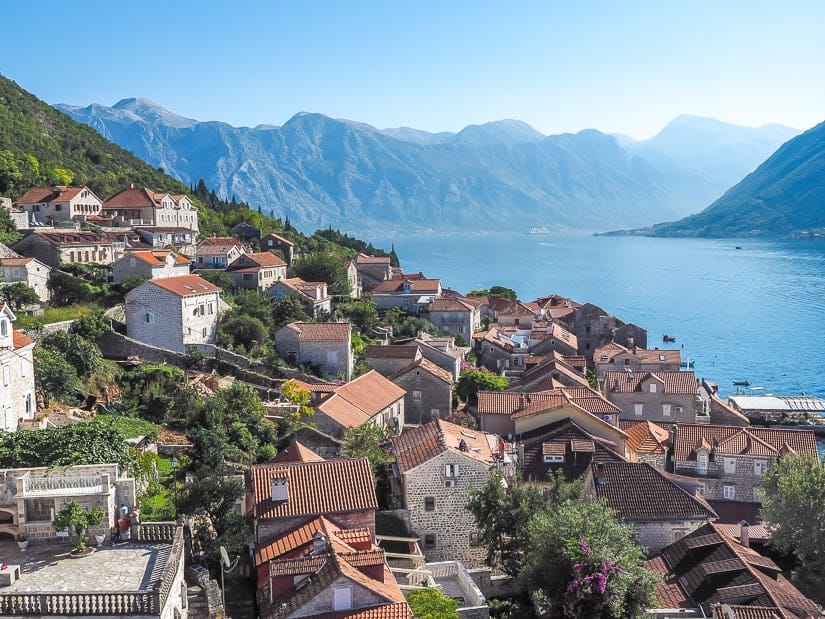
x,y
499,175
785,195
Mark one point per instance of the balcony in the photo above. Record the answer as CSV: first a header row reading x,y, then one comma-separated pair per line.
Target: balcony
x,y
692,469
41,487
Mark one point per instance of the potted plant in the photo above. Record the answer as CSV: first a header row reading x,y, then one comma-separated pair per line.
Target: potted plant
x,y
22,541
76,520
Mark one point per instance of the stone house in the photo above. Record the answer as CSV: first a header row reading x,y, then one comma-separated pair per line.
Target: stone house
x,y
17,395
659,510
730,461
500,350
440,350
326,346
613,357
173,312
142,207
54,248
438,465
30,497
455,316
368,398
661,397
151,264
550,371
648,441
181,240
711,574
557,308
410,294
218,252
372,270
29,271
276,242
428,391
283,495
546,337
387,360
594,328
517,314
47,205
314,294
319,568
720,413
246,233
256,271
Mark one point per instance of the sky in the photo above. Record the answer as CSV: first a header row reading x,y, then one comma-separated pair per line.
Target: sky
x,y
625,67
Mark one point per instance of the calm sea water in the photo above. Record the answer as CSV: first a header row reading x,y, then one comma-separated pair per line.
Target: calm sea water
x,y
755,313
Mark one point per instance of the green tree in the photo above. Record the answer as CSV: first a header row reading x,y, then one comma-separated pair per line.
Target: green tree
x,y
18,294
300,397
582,562
368,441
793,502
246,331
54,377
361,312
290,308
323,267
8,231
497,292
92,325
68,290
10,174
132,282
253,303
83,355
470,382
74,518
218,278
432,604
405,325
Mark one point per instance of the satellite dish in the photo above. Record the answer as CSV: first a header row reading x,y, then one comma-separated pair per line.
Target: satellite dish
x,y
225,558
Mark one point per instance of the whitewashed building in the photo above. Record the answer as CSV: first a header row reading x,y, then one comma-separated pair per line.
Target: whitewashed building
x,y
17,397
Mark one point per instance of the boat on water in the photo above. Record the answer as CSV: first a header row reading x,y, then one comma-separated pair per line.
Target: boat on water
x,y
742,383
539,230
668,338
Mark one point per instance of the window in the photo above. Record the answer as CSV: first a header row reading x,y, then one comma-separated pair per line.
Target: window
x,y
665,409
729,492
756,496
202,309
211,308
4,328
416,395
730,466
637,408
150,318
6,375
474,539
700,489
332,357
342,598
553,459
435,413
760,467
24,367
451,471
204,332
429,503
15,272
429,541
652,387
702,463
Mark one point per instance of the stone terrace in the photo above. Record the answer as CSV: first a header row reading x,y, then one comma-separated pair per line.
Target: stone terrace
x,y
47,568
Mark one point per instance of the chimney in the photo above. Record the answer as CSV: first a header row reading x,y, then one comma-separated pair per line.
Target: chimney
x,y
279,486
131,185
319,543
744,534
631,343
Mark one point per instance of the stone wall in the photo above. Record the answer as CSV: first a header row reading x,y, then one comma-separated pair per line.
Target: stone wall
x,y
450,521
655,535
744,480
652,405
425,394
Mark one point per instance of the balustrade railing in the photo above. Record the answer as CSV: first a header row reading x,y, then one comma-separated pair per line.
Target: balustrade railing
x,y
56,485
693,469
80,604
158,532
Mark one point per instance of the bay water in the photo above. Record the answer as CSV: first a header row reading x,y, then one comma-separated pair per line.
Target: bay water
x,y
741,309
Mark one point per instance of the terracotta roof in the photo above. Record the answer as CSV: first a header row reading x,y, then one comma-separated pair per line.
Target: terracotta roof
x,y
416,446
647,437
156,257
261,259
365,259
672,381
508,402
712,569
427,366
185,285
735,439
48,194
415,285
391,351
15,262
517,309
748,612
450,305
756,532
358,401
290,541
399,610
609,352
639,491
321,331
19,340
315,488
667,591
218,245
296,452
299,286
139,198
73,237
280,238
499,304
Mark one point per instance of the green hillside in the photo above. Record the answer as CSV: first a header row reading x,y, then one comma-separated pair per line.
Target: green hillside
x,y
783,196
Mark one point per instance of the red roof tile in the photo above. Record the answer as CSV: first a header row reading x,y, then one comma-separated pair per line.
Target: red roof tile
x,y
688,436
19,340
647,437
425,365
48,194
296,452
322,331
185,285
355,403
416,446
157,257
671,381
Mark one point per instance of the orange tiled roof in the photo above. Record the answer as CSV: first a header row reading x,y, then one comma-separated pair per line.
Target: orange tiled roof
x,y
315,488
427,366
260,260
157,257
280,238
667,591
185,285
688,436
416,446
397,610
15,262
520,404
321,331
609,352
671,381
19,340
416,285
48,194
647,437
365,259
296,452
358,401
450,305
135,198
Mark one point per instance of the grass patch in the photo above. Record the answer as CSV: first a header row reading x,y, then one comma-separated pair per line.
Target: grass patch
x,y
52,315
133,427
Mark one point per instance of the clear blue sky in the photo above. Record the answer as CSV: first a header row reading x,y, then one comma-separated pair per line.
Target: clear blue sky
x,y
437,65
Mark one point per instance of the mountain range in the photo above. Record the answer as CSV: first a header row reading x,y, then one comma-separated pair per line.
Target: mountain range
x,y
504,175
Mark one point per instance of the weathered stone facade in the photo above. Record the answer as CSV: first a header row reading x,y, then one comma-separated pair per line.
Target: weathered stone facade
x,y
448,525
653,535
728,477
30,271
132,264
428,396
332,357
654,399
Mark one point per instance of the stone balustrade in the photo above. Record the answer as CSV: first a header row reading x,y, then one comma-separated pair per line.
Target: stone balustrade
x,y
64,485
80,604
158,532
